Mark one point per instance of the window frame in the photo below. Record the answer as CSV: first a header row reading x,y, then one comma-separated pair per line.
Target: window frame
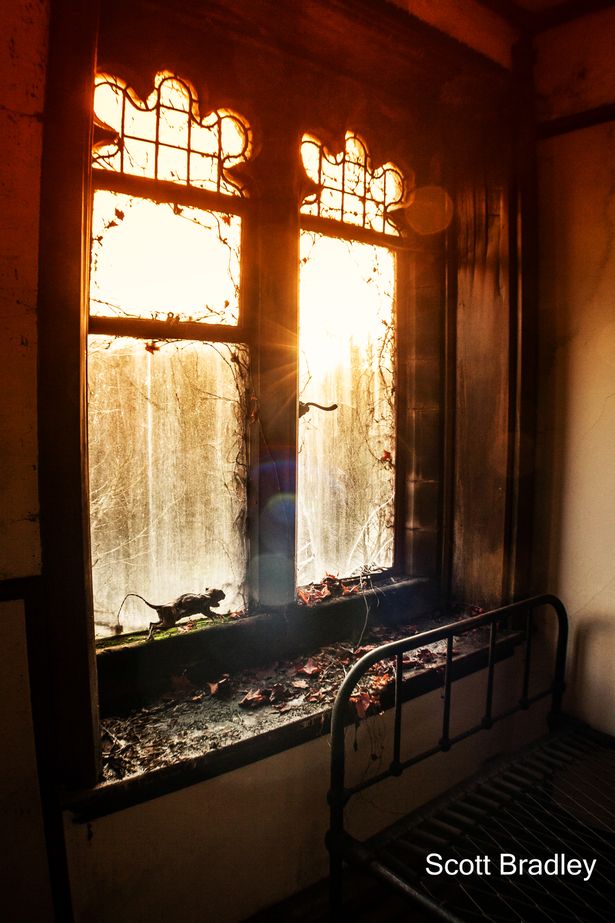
x,y
274,228
271,363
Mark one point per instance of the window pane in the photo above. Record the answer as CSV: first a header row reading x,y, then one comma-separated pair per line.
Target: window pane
x,y
345,474
167,464
153,259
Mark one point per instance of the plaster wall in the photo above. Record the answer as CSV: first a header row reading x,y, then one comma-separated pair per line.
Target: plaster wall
x,y
224,848
575,495
24,879
24,882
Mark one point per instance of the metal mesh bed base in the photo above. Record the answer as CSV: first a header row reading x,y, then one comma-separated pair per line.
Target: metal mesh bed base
x,y
555,798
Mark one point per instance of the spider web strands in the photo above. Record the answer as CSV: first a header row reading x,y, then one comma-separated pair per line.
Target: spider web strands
x,y
165,137
346,475
163,260
168,473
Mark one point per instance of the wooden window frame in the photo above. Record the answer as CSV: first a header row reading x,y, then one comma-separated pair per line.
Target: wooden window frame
x,y
271,240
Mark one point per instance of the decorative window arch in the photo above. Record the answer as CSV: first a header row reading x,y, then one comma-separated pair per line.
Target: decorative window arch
x,y
166,138
346,473
350,188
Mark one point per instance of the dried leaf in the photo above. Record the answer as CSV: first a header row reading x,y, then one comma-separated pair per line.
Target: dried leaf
x,y
425,655
365,649
361,702
278,693
222,687
309,669
255,698
300,684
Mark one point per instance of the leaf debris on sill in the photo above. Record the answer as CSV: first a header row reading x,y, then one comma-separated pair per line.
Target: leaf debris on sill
x,y
192,720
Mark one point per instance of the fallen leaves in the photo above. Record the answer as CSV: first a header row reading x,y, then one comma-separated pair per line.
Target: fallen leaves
x,y
196,716
222,687
329,588
309,669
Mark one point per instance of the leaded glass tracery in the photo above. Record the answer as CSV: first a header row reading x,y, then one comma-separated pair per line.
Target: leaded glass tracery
x,y
165,137
350,188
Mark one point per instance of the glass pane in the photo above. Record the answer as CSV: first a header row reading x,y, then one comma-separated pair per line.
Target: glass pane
x,y
153,259
167,465
346,477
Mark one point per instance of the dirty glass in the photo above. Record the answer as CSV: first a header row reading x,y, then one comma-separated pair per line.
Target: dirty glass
x,y
346,456
167,465
160,260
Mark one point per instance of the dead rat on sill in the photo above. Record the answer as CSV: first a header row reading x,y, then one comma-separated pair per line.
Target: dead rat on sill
x,y
186,604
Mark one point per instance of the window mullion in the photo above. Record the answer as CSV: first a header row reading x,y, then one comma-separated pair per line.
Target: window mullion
x,y
273,553
148,328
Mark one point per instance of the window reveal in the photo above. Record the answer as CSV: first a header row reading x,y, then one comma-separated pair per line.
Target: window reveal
x,y
346,458
168,410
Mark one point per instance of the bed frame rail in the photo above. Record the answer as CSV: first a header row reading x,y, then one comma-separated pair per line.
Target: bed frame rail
x,y
339,844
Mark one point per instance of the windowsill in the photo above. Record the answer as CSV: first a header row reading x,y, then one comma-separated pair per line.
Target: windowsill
x,y
135,674
286,730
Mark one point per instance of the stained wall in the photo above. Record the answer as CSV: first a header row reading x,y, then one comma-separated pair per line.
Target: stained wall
x,y
575,498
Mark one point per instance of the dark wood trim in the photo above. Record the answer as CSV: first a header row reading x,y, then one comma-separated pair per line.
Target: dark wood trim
x,y
514,15
567,12
63,269
531,23
163,191
276,365
449,404
31,591
599,115
332,228
523,331
148,328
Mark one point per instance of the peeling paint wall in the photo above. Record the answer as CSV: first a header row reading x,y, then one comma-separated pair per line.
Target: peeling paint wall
x,y
576,457
22,83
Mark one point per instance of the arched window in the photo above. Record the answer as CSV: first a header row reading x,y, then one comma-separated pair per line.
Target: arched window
x,y
346,507
167,365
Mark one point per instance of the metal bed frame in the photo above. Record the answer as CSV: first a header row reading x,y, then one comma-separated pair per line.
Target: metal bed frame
x,y
344,848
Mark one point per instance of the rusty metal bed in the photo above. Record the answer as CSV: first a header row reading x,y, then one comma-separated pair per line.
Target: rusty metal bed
x,y
555,797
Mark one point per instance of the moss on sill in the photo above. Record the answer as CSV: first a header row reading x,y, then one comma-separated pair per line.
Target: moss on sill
x,y
130,675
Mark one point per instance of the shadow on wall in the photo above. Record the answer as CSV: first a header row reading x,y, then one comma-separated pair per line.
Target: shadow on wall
x,y
590,690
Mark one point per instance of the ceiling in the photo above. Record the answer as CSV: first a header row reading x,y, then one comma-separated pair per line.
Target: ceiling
x,y
537,15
